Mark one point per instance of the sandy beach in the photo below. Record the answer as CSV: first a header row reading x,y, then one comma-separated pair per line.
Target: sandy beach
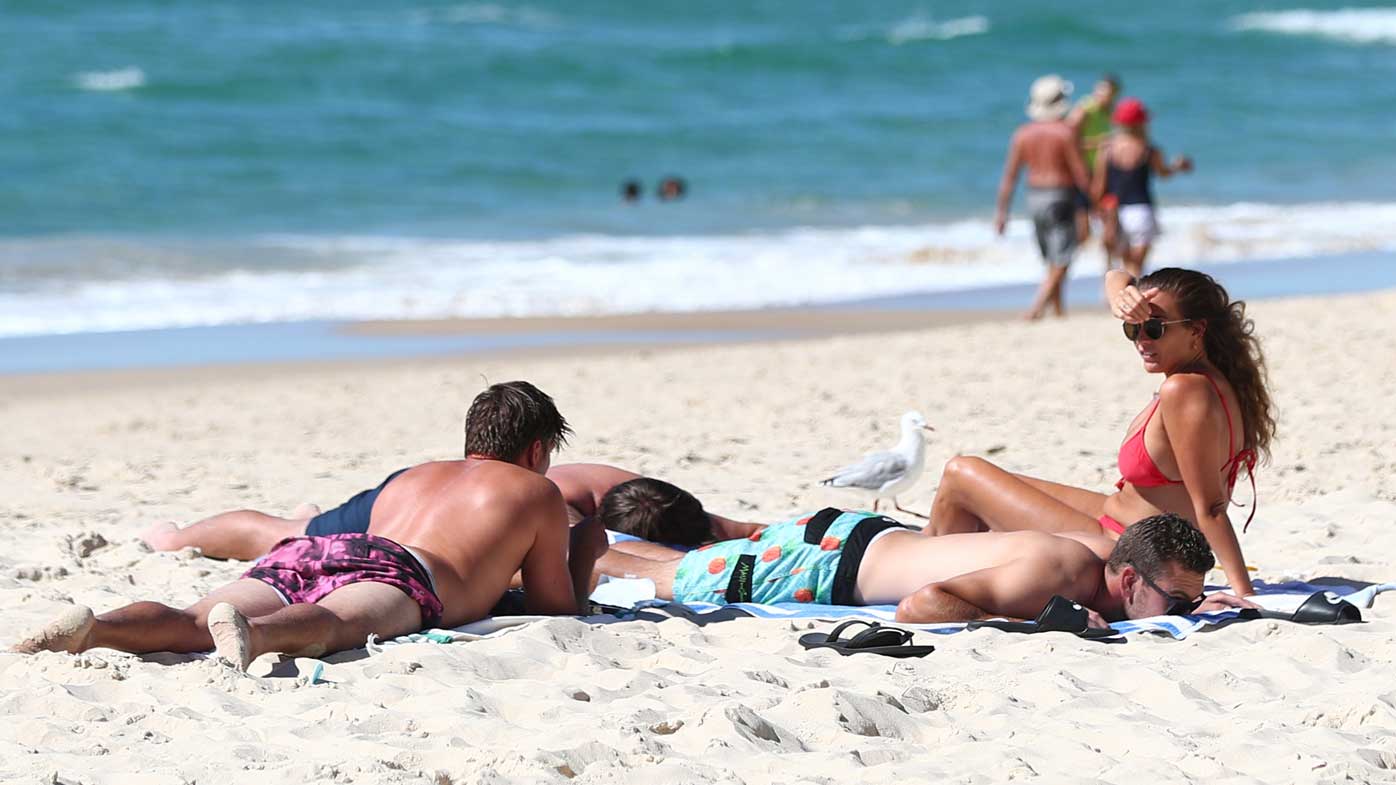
x,y
89,460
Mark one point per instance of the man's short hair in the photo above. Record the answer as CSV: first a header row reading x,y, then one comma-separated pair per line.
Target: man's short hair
x,y
507,418
1159,540
656,511
1110,79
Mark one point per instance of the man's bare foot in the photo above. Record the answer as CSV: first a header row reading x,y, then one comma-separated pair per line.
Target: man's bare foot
x,y
305,511
69,632
232,638
162,536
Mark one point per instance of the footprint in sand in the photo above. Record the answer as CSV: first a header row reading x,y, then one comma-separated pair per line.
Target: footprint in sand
x,y
757,729
872,717
83,545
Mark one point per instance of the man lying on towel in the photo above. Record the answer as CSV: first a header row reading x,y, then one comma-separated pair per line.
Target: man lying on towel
x,y
647,508
859,558
444,540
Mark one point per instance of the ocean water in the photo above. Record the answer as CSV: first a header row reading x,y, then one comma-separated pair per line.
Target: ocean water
x,y
184,164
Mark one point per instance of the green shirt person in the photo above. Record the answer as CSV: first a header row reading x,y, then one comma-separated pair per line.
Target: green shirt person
x,y
1090,118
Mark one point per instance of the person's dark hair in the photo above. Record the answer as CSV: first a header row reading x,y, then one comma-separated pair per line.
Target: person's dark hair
x,y
656,511
1230,343
671,187
1162,539
1111,79
507,418
630,190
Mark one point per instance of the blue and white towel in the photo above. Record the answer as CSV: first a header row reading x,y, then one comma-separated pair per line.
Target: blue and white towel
x,y
638,596
1284,597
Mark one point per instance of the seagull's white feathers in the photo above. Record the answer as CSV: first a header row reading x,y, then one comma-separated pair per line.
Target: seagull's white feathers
x,y
872,472
888,472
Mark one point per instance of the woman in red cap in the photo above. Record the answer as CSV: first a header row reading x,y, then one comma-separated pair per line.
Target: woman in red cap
x,y
1120,184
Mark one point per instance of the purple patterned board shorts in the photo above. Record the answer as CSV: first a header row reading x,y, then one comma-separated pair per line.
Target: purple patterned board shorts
x,y
306,569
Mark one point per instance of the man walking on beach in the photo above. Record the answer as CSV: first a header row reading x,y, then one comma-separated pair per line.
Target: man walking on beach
x,y
444,540
1056,175
836,557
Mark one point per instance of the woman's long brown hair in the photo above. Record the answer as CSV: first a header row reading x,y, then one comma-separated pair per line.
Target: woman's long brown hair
x,y
1230,343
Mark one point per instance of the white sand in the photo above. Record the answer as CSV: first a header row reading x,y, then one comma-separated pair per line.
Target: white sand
x,y
749,429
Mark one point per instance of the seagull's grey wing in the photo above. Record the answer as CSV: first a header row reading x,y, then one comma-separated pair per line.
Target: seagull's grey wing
x,y
873,472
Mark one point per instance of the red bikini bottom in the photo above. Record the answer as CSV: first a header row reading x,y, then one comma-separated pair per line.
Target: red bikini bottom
x,y
1110,524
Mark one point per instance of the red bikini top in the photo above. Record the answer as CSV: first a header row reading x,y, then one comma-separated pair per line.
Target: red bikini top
x,y
1137,467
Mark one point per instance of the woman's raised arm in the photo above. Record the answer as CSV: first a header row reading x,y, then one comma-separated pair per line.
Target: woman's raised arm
x,y
1127,303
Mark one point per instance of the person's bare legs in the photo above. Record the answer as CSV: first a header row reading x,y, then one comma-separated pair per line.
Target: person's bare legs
x,y
618,562
143,627
342,620
1134,259
1090,503
305,511
241,534
68,632
1058,299
1047,292
1109,236
975,495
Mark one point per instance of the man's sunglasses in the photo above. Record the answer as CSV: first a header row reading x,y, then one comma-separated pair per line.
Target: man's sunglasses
x,y
1177,606
1153,329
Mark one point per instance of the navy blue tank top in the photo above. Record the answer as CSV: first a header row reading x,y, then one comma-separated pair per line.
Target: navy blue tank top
x,y
1131,186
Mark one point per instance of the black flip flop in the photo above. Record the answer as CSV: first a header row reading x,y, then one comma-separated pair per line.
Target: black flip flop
x,y
876,639
1059,615
1320,608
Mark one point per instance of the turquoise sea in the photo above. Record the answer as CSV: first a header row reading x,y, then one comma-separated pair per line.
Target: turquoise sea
x,y
172,164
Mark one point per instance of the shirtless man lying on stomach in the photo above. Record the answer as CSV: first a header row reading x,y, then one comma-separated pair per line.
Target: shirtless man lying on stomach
x,y
444,540
645,507
857,558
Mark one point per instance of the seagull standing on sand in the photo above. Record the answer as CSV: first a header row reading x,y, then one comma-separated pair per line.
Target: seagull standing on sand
x,y
889,472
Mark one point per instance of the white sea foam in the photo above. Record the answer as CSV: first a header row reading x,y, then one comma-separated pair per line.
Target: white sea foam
x,y
484,14
917,28
110,81
1349,25
356,277
922,29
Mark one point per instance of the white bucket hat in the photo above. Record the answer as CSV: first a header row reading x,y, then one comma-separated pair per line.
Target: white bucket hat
x,y
1049,98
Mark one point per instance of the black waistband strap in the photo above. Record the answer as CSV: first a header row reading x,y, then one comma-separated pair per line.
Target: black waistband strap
x,y
819,524
846,576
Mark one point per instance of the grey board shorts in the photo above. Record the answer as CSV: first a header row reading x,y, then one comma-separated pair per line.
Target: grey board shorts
x,y
1054,219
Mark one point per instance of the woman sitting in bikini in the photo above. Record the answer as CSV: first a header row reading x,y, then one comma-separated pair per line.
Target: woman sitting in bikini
x,y
1183,452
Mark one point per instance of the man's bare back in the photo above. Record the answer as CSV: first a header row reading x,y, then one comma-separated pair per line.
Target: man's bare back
x,y
583,485
1041,565
474,522
1049,151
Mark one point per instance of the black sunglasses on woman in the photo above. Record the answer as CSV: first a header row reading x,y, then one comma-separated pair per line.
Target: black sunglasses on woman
x,y
1153,329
